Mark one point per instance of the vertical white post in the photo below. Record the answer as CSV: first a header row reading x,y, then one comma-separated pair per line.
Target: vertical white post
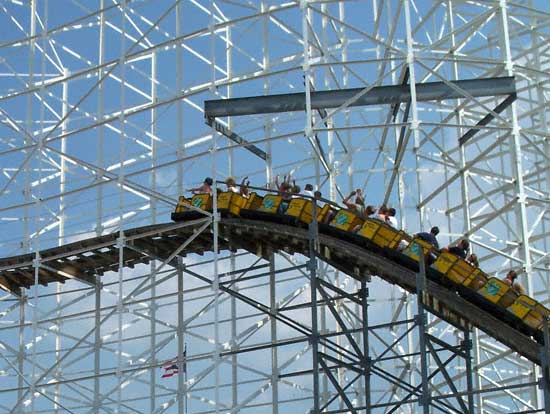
x,y
465,197
216,284
345,84
332,195
312,262
413,126
179,87
182,386
269,179
229,88
215,219
516,159
516,153
306,67
120,241
100,112
99,208
29,127
265,67
330,121
153,266
63,172
38,211
61,230
232,261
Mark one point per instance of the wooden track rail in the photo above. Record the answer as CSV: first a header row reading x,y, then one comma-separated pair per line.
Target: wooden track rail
x,y
85,260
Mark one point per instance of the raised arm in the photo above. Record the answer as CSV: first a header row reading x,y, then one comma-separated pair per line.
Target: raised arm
x,y
347,201
243,189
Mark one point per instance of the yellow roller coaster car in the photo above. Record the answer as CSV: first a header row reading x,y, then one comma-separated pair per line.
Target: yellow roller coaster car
x,y
271,203
202,201
302,209
525,308
253,202
459,271
231,202
346,220
182,202
382,234
497,291
417,247
452,268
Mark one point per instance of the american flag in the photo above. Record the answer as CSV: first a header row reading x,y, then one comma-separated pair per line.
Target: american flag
x,y
171,367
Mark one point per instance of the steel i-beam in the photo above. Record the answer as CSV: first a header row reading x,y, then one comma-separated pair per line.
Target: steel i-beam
x,y
378,95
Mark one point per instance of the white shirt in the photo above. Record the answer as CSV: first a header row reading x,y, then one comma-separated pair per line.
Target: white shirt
x,y
392,221
308,193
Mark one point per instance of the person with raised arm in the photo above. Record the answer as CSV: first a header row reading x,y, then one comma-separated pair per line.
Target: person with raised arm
x,y
244,191
357,206
204,188
285,191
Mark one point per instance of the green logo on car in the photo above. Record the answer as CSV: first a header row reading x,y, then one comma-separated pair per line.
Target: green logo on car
x,y
415,249
492,288
341,219
268,203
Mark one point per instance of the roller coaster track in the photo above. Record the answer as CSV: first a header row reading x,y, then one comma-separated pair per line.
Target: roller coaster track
x,y
86,259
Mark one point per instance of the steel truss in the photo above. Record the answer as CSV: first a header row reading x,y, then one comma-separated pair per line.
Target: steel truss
x,y
102,127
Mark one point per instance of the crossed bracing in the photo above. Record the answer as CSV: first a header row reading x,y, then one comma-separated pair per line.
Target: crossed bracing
x,y
149,242
152,242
